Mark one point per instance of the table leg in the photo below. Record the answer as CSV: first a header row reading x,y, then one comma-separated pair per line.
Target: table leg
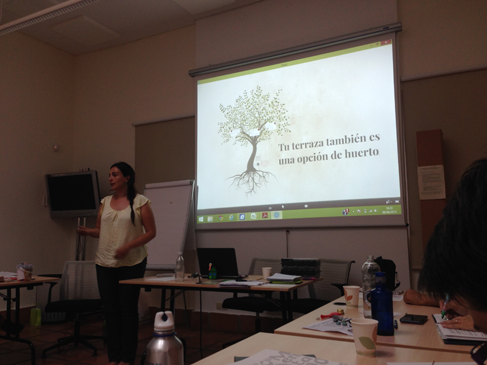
x,y
171,302
163,299
287,312
16,337
17,311
289,306
284,305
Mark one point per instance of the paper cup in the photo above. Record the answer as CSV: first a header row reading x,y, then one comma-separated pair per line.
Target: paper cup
x,y
351,295
365,336
23,275
266,272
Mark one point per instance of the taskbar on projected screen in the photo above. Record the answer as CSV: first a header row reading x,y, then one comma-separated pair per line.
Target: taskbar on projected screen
x,y
377,210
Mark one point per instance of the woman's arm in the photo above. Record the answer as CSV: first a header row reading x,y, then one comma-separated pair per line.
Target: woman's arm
x,y
413,297
92,232
150,232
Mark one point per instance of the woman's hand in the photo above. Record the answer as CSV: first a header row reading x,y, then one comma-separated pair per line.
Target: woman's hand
x,y
460,322
121,252
83,231
92,232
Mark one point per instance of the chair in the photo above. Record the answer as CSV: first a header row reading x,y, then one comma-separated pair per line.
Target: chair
x,y
78,296
255,302
335,275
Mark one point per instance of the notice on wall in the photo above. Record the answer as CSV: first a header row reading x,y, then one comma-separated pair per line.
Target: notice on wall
x,y
431,181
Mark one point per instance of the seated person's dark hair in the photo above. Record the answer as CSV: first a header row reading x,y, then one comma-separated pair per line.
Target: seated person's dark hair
x,y
455,261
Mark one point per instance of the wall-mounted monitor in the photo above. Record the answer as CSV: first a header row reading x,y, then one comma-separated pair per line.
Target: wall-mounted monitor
x,y
310,139
73,194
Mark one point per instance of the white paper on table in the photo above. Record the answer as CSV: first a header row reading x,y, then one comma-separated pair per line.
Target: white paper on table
x,y
278,286
241,283
274,357
6,274
397,297
163,278
329,326
283,277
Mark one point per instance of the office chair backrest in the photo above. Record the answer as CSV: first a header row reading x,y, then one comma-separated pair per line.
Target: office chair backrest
x,y
332,271
79,281
258,263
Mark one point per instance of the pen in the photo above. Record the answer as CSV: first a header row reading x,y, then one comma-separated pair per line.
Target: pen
x,y
443,310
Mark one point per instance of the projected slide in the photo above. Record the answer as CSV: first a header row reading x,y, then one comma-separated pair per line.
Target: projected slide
x,y
313,137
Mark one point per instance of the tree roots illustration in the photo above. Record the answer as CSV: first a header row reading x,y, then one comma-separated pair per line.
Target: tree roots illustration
x,y
251,180
253,119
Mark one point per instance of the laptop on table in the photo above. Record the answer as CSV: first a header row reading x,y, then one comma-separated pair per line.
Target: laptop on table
x,y
224,260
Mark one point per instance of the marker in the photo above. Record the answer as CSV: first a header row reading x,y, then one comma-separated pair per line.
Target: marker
x,y
443,310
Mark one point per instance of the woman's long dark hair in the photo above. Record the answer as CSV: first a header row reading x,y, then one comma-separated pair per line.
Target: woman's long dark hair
x,y
456,256
127,170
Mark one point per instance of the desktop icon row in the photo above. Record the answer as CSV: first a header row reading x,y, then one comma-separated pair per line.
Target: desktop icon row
x,y
240,217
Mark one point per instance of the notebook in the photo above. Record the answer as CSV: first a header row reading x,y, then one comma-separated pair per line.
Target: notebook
x,y
456,336
224,260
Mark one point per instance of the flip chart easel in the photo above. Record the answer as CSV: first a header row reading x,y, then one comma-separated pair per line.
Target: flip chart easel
x,y
172,204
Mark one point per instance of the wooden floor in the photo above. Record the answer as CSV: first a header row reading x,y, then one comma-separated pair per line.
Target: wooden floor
x,y
47,334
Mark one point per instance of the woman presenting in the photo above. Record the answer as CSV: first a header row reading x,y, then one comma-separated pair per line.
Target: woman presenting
x,y
125,224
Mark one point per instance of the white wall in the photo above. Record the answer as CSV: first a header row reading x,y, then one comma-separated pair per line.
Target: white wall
x,y
36,104
441,36
278,24
141,81
36,109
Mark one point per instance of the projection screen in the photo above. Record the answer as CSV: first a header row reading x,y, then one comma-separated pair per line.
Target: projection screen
x,y
307,140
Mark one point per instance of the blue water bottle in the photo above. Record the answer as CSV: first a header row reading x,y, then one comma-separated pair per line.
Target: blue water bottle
x,y
381,303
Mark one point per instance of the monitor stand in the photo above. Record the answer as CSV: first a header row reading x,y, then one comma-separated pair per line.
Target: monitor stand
x,y
80,242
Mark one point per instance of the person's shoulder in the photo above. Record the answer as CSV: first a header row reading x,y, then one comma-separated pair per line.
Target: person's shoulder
x,y
106,199
141,200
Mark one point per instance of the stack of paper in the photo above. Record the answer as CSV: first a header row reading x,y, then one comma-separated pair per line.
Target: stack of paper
x,y
8,276
240,283
284,279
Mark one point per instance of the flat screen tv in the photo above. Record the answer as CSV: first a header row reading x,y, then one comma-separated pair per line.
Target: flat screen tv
x,y
73,194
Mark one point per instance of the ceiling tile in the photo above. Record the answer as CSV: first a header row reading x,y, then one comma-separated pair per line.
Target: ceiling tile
x,y
85,30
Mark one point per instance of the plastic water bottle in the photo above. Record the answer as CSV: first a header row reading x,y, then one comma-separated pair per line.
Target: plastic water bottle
x,y
179,271
164,348
382,308
212,273
369,268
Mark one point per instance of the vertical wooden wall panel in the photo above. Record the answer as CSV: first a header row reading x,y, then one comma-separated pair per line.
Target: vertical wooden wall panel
x,y
429,145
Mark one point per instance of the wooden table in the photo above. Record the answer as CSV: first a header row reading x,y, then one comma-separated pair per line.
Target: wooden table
x,y
413,336
190,283
17,285
339,351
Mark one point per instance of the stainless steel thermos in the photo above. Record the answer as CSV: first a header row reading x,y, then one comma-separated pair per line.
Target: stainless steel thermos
x,y
164,348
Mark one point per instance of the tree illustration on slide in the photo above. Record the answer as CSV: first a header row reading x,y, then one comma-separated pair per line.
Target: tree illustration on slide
x,y
254,118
